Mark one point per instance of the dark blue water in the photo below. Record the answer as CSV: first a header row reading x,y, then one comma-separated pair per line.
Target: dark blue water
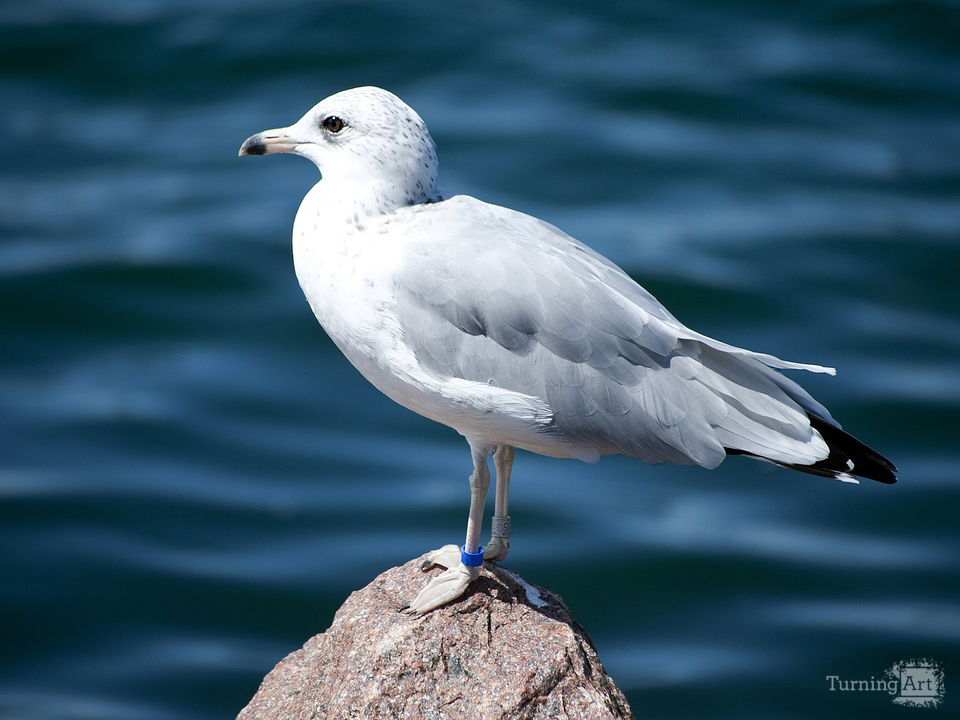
x,y
192,479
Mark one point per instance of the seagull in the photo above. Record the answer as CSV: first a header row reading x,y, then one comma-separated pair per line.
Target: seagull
x,y
516,335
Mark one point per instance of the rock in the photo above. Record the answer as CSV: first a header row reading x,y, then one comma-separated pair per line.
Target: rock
x,y
507,649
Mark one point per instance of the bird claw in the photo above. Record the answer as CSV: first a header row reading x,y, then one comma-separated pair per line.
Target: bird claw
x,y
445,587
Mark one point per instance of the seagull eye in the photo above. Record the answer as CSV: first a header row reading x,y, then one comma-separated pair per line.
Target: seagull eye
x,y
332,123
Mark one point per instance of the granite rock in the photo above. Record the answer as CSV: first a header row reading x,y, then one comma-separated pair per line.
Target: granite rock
x,y
507,649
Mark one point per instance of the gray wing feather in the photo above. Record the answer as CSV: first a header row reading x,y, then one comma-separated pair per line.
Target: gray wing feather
x,y
494,296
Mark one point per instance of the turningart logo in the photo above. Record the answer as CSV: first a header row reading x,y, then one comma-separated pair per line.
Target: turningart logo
x,y
912,683
921,682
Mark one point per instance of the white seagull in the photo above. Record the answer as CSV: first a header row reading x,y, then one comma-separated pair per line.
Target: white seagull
x,y
516,335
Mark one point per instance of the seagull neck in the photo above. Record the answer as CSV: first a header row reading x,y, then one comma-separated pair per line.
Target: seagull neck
x,y
353,201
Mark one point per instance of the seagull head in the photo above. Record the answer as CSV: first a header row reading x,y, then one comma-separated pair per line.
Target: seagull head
x,y
365,135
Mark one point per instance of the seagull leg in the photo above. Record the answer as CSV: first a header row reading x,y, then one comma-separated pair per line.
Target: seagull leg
x,y
499,544
453,582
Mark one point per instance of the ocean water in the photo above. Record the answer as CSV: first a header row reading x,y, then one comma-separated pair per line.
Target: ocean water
x,y
192,479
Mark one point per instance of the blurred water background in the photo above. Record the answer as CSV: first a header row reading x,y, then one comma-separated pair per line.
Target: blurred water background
x,y
192,479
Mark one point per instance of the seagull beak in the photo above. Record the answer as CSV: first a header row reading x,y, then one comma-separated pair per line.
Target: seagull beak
x,y
269,142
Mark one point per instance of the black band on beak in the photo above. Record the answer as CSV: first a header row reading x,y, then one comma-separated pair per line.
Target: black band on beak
x,y
253,145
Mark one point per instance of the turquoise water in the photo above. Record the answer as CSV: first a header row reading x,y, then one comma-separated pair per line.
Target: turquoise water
x,y
192,479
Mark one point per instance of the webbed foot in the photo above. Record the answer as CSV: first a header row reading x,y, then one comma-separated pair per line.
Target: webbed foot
x,y
448,585
497,548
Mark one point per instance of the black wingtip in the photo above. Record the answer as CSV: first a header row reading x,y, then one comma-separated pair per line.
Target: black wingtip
x,y
848,457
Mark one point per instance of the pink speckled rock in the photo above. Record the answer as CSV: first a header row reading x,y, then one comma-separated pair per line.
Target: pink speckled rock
x,y
505,650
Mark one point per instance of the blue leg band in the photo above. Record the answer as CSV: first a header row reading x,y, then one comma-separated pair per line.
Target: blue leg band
x,y
471,559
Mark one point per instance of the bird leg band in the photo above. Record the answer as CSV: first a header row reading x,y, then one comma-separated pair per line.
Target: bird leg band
x,y
500,526
470,559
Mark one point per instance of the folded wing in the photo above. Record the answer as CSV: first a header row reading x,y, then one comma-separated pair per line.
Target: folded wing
x,y
511,301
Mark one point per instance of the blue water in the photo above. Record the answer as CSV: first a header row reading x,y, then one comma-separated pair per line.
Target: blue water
x,y
192,479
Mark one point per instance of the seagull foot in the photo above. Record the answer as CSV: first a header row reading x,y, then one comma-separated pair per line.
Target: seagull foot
x,y
445,587
497,548
446,557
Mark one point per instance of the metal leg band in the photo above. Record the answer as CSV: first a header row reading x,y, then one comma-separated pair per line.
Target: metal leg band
x,y
500,527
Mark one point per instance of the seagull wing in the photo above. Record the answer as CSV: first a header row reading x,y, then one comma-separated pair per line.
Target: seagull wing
x,y
490,295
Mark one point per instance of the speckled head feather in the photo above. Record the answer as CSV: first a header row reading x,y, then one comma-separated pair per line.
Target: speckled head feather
x,y
361,135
